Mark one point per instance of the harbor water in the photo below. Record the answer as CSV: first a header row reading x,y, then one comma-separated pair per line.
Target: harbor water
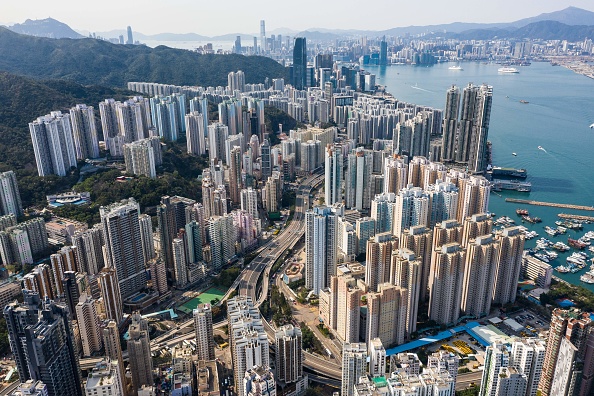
x,y
557,117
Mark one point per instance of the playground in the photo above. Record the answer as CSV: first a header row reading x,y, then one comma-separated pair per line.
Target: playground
x,y
207,296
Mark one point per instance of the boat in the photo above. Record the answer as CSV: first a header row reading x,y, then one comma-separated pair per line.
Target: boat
x,y
550,231
574,243
560,246
587,278
524,101
522,212
541,148
591,248
509,172
563,269
508,70
532,220
591,126
458,67
498,185
514,154
542,257
575,260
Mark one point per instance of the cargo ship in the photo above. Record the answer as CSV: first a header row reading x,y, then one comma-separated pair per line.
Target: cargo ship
x,y
498,171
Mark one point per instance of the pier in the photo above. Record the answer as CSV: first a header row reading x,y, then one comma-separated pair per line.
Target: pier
x,y
575,217
551,204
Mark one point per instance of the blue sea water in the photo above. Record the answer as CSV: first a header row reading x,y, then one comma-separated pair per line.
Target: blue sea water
x,y
557,117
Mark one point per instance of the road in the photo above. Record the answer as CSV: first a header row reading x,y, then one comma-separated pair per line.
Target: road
x,y
463,381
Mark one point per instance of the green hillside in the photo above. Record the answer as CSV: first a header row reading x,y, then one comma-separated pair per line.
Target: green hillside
x,y
90,61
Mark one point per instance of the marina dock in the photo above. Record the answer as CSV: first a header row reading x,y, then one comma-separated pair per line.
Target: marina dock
x,y
551,204
575,217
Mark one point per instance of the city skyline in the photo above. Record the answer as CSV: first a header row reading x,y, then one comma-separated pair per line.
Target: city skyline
x,y
198,18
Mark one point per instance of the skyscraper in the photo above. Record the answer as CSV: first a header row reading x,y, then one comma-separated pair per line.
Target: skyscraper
x,y
383,55
300,63
262,36
89,245
84,131
204,336
473,197
266,159
405,272
354,362
223,236
382,211
140,159
417,239
235,175
378,259
217,135
347,308
113,348
386,314
395,175
289,354
10,198
249,202
43,345
450,124
411,209
111,295
124,254
139,351
477,162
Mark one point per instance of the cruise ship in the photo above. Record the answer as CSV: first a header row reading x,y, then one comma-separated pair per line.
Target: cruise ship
x,y
508,70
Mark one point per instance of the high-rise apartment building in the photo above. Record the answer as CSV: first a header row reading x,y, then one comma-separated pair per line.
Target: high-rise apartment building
x,y
142,157
527,356
386,314
217,135
406,272
53,144
124,254
478,159
411,209
378,259
509,265
475,226
247,338
113,347
382,211
139,352
204,333
195,132
110,294
333,176
377,358
89,251
10,198
84,130
249,201
446,281
223,236
348,296
473,196
259,381
417,239
105,379
88,325
289,354
395,175
358,179
320,247
482,260
354,365
235,182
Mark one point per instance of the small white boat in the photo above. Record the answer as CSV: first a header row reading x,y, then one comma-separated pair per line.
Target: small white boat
x,y
458,67
514,154
508,70
592,126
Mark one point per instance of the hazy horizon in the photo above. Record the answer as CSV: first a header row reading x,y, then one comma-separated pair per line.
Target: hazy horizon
x,y
186,16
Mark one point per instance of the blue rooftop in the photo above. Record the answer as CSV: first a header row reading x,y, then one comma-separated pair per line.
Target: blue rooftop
x,y
444,335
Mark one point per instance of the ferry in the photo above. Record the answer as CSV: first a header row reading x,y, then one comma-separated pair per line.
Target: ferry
x,y
499,185
455,68
509,172
508,70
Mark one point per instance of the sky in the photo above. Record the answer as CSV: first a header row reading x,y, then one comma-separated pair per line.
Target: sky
x,y
216,17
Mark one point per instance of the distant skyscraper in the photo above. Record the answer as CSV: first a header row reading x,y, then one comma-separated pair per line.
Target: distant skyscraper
x,y
289,359
262,36
139,351
123,252
84,130
130,39
383,55
300,63
10,198
354,363
53,144
450,124
204,337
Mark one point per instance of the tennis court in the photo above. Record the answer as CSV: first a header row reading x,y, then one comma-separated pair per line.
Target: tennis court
x,y
206,297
